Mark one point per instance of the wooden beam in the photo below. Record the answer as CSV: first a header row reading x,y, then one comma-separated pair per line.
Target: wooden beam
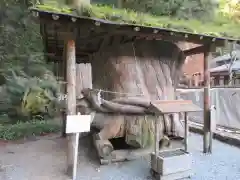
x,y
64,87
71,99
116,40
196,50
165,34
103,43
170,36
208,122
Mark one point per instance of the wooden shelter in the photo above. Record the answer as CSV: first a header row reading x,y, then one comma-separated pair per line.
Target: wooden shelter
x,y
72,39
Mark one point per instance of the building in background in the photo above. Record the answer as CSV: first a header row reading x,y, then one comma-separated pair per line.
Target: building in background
x,y
222,67
193,70
219,70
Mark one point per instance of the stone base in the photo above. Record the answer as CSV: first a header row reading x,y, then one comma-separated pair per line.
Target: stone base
x,y
171,164
173,176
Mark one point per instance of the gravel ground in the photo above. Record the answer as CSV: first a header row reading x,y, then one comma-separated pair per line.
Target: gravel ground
x,y
44,159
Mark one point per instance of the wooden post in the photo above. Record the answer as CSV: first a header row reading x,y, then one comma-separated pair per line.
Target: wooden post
x,y
221,80
238,81
71,100
156,148
83,79
64,87
207,137
75,159
154,157
186,132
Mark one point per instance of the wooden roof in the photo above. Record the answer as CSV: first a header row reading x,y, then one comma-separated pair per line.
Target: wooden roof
x,y
92,34
174,106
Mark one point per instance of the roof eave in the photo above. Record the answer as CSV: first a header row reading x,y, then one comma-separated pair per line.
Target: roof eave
x,y
185,36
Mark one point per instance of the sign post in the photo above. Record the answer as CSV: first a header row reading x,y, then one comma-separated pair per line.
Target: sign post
x,y
77,124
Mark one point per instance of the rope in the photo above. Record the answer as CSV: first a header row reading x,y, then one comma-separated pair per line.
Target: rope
x,y
115,92
99,91
99,96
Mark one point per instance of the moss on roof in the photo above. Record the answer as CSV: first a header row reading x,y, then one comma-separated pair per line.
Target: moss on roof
x,y
221,27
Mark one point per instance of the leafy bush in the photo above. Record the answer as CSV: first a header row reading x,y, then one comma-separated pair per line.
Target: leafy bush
x,y
28,129
26,98
28,87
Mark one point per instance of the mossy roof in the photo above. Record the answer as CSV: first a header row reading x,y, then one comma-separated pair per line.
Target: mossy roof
x,y
220,28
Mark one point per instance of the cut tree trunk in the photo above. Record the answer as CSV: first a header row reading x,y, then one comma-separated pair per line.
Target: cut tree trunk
x,y
147,69
104,147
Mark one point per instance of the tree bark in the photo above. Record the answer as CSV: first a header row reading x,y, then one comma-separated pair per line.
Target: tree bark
x,y
104,147
148,69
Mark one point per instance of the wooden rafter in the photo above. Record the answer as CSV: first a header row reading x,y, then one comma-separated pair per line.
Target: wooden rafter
x,y
196,50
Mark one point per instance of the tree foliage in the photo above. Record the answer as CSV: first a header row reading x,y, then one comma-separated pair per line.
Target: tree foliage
x,y
176,8
231,9
25,90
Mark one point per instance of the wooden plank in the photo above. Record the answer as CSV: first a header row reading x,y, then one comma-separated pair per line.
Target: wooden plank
x,y
157,129
196,50
83,78
173,102
165,107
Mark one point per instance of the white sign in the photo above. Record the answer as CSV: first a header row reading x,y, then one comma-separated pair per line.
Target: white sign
x,y
78,123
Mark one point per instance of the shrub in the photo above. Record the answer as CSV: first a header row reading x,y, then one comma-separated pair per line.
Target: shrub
x,y
28,98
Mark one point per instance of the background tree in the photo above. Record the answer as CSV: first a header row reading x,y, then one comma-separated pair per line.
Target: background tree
x,y
23,68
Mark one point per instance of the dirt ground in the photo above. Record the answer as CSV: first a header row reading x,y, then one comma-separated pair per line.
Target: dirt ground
x,y
44,159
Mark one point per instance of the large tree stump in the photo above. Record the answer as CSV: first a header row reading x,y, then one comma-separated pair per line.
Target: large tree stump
x,y
148,69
